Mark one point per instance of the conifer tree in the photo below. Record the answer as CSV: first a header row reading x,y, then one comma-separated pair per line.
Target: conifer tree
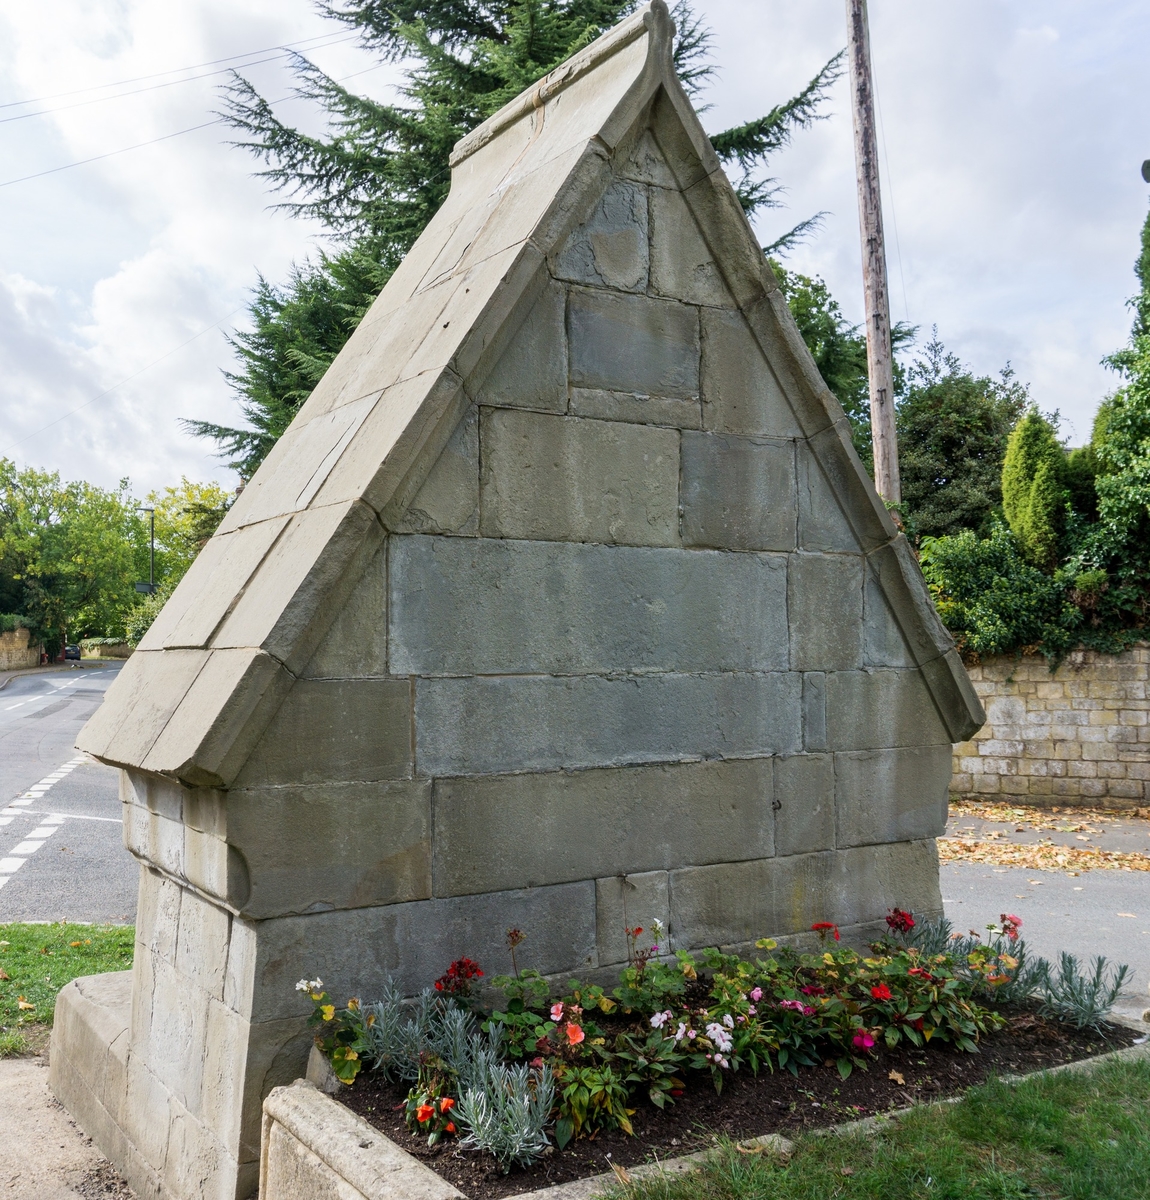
x,y
1033,488
381,171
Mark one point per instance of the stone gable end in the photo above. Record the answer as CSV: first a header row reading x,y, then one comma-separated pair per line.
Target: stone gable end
x,y
564,603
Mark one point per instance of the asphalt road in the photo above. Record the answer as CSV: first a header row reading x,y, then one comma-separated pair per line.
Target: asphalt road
x,y
61,839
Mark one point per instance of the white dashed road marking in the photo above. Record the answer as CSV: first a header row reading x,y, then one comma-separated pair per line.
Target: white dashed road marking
x,y
18,807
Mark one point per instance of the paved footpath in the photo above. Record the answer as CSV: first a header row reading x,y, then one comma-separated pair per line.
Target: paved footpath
x,y
61,838
1095,912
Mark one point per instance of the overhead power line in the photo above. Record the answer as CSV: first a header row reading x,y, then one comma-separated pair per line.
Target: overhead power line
x,y
325,39
43,112
152,141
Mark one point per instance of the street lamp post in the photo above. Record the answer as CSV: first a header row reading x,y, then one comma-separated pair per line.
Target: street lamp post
x,y
149,588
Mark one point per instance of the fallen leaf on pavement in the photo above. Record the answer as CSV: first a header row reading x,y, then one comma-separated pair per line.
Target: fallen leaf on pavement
x,y
1045,856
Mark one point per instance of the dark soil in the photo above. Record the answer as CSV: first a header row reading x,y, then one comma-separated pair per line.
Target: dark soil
x,y
749,1105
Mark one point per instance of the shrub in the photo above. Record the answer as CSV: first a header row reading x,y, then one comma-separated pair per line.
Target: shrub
x,y
505,1111
1081,1000
1034,494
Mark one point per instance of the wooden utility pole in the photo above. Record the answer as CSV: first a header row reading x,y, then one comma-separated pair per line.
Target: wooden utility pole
x,y
878,351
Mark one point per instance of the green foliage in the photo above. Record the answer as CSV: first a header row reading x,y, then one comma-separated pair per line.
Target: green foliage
x,y
1034,494
952,434
1079,1135
70,554
139,619
992,599
11,621
380,172
588,1099
37,960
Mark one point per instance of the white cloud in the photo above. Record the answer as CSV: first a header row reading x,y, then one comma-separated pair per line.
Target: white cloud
x,y
1012,133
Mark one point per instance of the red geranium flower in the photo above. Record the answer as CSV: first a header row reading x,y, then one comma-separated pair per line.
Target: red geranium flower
x,y
900,920
825,927
881,992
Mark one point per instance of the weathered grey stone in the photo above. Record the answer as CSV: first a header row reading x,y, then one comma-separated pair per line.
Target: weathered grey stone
x,y
532,373
805,803
954,695
335,731
629,819
738,493
814,710
332,845
637,409
356,644
891,795
410,943
740,392
883,641
682,265
897,572
865,512
490,726
633,344
643,161
490,606
822,524
625,902
831,586
611,247
448,501
567,479
876,709
736,903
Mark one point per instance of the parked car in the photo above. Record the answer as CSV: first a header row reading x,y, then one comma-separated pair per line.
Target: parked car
x,y
71,652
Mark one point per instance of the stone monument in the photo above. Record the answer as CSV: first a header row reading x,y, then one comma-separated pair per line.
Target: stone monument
x,y
564,596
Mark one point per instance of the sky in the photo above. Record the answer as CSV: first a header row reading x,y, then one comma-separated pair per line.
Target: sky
x,y
1011,137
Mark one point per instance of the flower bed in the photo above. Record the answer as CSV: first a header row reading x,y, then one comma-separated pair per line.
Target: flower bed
x,y
541,1089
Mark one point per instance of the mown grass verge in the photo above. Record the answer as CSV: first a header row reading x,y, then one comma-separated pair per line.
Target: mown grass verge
x,y
35,963
1070,1136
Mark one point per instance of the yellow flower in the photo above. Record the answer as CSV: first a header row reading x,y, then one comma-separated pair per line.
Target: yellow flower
x,y
328,1011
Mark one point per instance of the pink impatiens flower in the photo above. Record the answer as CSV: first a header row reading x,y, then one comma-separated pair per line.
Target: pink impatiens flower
x,y
863,1039
756,994
557,1012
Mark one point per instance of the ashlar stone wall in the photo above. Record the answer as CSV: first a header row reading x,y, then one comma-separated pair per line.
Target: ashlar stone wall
x,y
1077,735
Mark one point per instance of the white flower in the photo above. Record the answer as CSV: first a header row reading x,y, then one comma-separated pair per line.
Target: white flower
x,y
309,985
658,929
661,1018
681,1032
730,1024
302,986
719,1036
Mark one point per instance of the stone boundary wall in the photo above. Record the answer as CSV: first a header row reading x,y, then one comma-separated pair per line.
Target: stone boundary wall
x,y
15,652
1079,735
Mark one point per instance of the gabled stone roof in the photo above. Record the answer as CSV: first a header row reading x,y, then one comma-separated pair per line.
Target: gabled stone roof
x,y
217,663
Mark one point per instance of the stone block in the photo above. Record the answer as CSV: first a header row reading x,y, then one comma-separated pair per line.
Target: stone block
x,y
824,607
643,161
532,371
822,524
738,493
682,266
489,606
203,929
332,845
630,819
611,248
634,408
814,710
868,710
883,642
735,903
448,501
623,902
805,803
567,479
633,344
411,942
891,795
335,731
740,392
864,511
356,644
494,726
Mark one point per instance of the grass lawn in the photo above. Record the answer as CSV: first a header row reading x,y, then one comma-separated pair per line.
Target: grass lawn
x,y
1072,1136
35,963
